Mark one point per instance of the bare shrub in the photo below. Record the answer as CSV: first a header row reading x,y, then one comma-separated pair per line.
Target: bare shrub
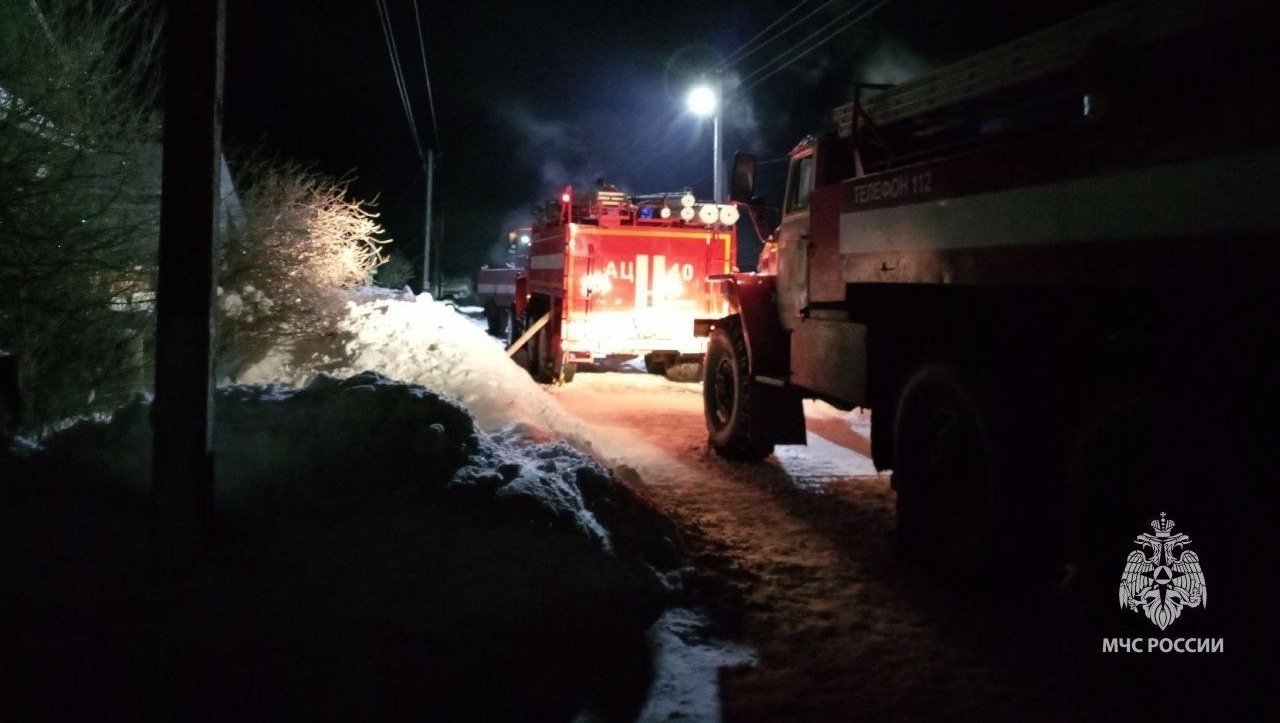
x,y
303,239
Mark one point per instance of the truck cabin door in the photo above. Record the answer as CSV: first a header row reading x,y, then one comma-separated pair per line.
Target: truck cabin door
x,y
793,239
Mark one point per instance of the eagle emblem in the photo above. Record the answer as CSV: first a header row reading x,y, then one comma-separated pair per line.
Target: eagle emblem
x,y
1161,577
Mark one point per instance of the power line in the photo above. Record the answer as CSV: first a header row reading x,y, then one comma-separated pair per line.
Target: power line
x,y
802,48
798,51
656,150
668,120
431,102
638,163
734,57
798,46
393,51
388,35
731,57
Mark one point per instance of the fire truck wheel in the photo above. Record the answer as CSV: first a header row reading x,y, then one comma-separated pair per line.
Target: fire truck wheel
x,y
567,371
658,362
540,366
496,316
945,474
515,326
726,396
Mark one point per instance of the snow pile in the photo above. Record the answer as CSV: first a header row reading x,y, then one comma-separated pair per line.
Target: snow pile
x,y
370,532
420,341
548,476
334,441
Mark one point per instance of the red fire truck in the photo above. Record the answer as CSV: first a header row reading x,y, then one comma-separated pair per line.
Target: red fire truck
x,y
609,275
496,285
1027,265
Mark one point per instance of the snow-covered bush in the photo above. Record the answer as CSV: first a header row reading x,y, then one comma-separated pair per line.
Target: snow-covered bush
x,y
79,200
303,238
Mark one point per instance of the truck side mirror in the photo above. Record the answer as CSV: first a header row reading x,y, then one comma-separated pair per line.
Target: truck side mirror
x,y
743,182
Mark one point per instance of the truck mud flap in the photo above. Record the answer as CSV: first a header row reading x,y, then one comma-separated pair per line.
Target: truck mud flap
x,y
779,411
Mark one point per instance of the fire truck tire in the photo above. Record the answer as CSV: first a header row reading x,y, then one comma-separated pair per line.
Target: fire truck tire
x,y
657,362
653,364
567,371
515,326
945,472
726,389
496,316
539,358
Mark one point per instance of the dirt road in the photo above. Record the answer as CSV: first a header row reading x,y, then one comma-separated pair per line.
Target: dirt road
x,y
795,557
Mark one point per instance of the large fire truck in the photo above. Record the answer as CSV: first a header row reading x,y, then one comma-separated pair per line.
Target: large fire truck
x,y
606,275
1031,265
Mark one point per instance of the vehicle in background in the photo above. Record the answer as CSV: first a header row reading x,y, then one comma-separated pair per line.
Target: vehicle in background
x,y
608,275
496,285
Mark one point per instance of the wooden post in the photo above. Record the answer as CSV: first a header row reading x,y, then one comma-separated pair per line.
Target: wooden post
x,y
182,459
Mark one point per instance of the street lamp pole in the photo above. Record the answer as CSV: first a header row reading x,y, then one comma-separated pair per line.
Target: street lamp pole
x,y
718,182
706,100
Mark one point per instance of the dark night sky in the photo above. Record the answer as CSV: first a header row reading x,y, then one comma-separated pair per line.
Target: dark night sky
x,y
533,96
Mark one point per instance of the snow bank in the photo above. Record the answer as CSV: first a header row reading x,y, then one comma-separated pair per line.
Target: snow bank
x,y
370,532
425,342
334,441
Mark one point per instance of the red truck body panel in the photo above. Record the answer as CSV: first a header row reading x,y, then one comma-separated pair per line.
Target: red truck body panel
x,y
630,289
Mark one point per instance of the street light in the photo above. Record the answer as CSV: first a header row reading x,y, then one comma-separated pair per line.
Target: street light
x,y
704,100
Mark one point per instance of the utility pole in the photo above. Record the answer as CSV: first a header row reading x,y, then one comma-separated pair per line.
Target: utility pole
x,y
181,416
426,224
436,248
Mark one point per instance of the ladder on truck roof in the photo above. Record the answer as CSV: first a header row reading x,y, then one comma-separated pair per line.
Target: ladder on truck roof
x,y
1042,53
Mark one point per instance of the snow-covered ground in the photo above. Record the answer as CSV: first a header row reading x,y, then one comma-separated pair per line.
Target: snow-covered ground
x,y
363,522
687,664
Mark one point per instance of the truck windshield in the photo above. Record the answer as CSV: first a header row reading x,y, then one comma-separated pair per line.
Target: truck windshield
x,y
801,183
